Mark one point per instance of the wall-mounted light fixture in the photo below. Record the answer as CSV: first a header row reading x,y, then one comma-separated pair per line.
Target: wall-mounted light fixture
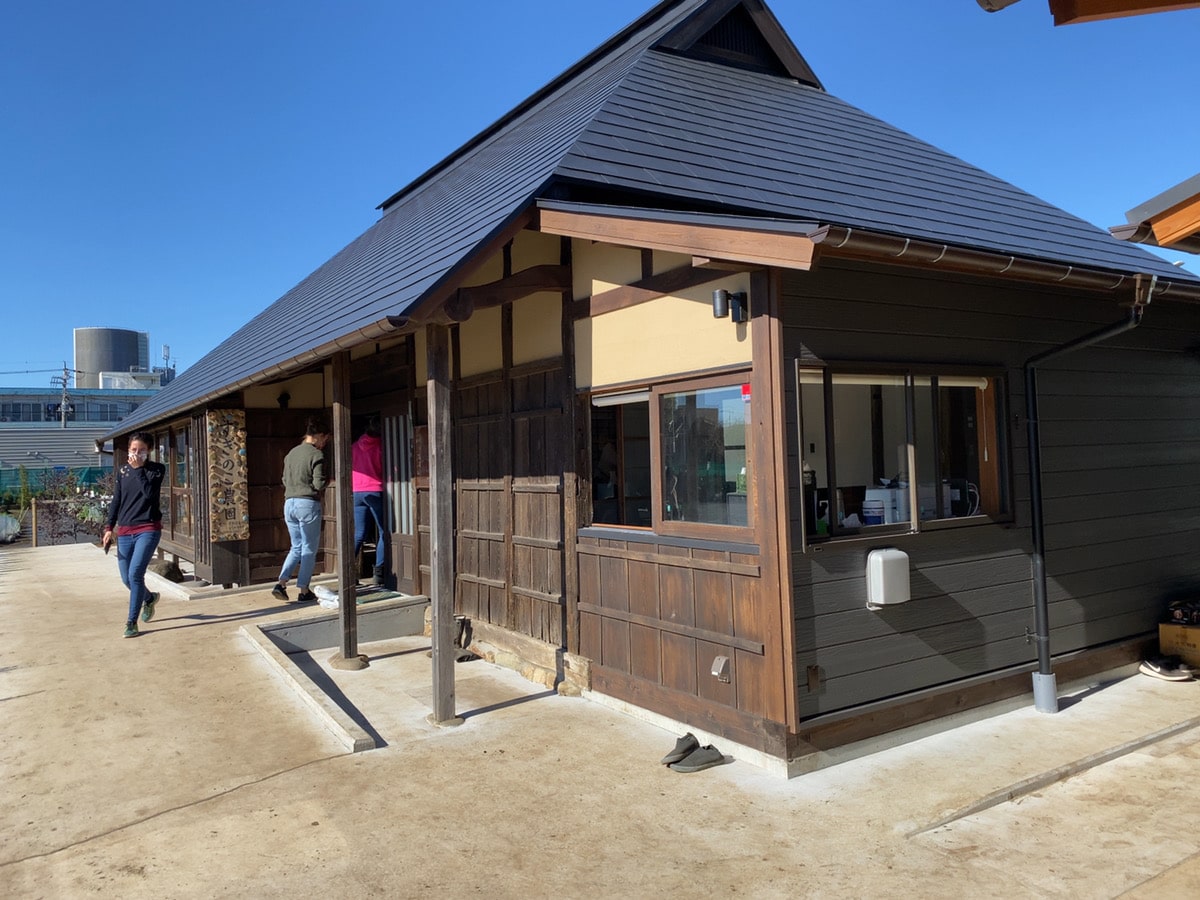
x,y
283,400
735,305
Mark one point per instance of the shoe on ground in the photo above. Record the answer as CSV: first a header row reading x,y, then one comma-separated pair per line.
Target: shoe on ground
x,y
1174,662
683,747
699,759
149,606
1162,667
131,628
377,575
306,596
279,592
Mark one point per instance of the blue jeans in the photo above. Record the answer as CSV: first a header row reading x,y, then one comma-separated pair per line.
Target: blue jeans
x,y
303,519
370,503
134,552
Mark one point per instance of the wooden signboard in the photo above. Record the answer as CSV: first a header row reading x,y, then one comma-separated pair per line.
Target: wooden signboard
x,y
229,504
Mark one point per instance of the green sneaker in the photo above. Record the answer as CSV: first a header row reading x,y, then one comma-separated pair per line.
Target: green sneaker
x,y
131,628
148,607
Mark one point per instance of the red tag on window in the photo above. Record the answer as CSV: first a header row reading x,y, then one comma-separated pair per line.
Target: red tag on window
x,y
746,391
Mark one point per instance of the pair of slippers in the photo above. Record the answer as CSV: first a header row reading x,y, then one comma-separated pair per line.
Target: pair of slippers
x,y
1168,668
689,756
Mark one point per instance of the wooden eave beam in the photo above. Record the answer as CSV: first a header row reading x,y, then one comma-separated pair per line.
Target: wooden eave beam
x,y
1071,12
1177,223
763,248
652,288
431,308
533,280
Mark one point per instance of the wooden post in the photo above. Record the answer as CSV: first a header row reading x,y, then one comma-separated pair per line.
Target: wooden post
x,y
349,657
577,451
33,516
441,486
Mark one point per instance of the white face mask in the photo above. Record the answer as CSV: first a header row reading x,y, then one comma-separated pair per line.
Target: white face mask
x,y
138,456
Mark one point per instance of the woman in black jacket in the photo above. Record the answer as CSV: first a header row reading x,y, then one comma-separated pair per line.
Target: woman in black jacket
x,y
135,517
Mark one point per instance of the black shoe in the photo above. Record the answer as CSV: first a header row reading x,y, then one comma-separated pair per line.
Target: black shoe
x,y
683,747
699,759
306,596
377,575
279,592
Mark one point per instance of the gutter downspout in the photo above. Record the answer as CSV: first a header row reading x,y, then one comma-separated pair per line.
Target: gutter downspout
x,y
1045,691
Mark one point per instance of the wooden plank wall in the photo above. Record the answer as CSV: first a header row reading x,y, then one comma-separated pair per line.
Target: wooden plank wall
x,y
540,449
656,612
270,434
510,444
1121,482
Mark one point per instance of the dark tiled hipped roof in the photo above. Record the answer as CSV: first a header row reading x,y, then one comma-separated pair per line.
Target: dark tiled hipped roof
x,y
697,125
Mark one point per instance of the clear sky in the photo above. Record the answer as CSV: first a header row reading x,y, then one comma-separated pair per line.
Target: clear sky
x,y
176,167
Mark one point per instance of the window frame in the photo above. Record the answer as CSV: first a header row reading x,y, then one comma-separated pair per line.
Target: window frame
x,y
995,430
167,452
655,392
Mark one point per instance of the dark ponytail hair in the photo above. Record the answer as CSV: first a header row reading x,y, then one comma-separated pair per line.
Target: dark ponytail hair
x,y
144,437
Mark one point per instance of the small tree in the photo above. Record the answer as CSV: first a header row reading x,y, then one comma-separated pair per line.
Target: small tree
x,y
63,507
24,496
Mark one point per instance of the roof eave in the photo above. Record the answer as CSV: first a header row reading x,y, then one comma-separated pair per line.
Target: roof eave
x,y
1143,233
842,241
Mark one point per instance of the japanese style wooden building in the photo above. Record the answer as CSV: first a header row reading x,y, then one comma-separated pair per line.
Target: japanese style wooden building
x,y
668,354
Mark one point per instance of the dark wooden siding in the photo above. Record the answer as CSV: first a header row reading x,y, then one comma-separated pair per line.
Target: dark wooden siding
x,y
1121,482
654,614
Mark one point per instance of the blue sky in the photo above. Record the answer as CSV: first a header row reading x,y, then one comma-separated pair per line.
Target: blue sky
x,y
176,167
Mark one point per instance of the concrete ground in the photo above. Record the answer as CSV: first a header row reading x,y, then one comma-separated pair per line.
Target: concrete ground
x,y
183,764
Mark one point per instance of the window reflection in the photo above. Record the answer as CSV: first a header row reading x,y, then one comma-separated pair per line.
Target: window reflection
x,y
704,464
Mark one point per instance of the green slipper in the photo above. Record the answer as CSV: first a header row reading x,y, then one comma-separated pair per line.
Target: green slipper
x,y
700,759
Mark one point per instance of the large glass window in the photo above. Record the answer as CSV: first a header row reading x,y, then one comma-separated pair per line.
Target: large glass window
x,y
702,434
672,458
896,449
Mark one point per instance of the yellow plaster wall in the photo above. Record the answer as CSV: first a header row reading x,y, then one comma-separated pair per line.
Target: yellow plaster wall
x,y
598,267
665,261
669,336
307,392
479,342
490,271
533,248
537,328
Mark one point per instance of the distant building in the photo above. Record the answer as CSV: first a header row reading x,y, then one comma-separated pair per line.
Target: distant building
x,y
34,436
128,381
84,406
100,350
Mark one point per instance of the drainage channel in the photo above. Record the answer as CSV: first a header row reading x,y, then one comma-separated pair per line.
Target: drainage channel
x,y
282,643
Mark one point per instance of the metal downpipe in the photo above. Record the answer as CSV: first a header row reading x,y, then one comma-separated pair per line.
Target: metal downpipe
x,y
1045,692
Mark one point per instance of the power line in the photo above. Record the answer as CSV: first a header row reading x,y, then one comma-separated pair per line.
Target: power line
x,y
43,371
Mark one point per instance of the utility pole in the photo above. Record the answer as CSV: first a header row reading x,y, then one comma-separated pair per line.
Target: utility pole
x,y
65,399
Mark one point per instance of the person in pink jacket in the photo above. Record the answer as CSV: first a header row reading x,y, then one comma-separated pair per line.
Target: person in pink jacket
x,y
366,465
